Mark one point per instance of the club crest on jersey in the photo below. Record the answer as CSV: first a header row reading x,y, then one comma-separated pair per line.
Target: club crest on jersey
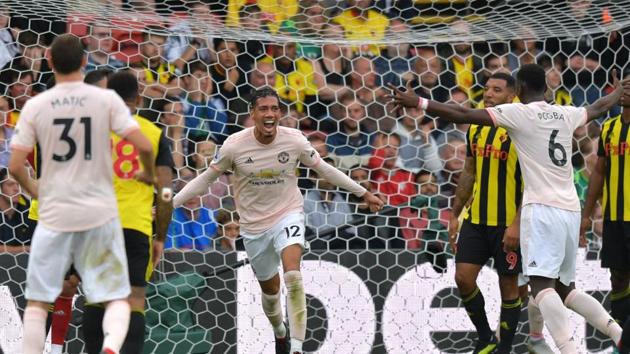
x,y
283,157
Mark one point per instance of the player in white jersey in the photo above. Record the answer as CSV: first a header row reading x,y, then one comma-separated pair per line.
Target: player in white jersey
x,y
264,160
550,211
78,214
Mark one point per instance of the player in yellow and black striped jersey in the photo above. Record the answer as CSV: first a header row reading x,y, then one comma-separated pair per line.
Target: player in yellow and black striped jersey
x,y
492,185
610,180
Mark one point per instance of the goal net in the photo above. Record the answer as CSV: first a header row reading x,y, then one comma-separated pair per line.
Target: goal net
x,y
380,283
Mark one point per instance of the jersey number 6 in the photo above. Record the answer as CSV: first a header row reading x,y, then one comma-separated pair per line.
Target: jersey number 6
x,y
553,147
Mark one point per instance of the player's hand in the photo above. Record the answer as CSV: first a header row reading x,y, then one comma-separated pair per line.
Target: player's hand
x,y
374,203
401,98
158,249
145,177
585,226
453,230
511,238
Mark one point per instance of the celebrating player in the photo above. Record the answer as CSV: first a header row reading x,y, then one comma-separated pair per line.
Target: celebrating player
x,y
264,159
542,135
609,175
78,218
491,170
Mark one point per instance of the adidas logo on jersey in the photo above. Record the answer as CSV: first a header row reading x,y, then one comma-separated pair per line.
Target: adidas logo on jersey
x,y
533,264
249,160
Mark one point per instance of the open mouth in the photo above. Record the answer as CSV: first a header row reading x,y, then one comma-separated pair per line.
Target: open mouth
x,y
269,124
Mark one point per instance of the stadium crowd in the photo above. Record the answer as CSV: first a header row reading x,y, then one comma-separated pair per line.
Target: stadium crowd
x,y
196,89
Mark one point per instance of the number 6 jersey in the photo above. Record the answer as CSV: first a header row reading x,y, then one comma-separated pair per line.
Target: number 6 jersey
x,y
543,136
71,123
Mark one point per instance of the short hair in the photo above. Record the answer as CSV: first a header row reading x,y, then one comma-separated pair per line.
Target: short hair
x,y
195,65
262,92
67,53
509,80
97,75
226,216
533,77
125,84
159,106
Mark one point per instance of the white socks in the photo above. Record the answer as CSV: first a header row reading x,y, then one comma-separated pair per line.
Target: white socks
x,y
273,310
34,330
556,319
535,318
589,308
296,308
115,324
56,349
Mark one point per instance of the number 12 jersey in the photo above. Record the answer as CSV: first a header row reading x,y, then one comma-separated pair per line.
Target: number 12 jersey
x,y
543,136
71,123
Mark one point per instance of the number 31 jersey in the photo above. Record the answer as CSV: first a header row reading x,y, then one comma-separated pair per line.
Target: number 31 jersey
x,y
72,123
543,136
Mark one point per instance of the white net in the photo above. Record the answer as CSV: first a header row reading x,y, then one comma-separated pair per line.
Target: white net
x,y
374,283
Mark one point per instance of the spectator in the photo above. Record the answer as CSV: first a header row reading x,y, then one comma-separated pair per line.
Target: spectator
x,y
16,228
263,74
294,76
428,69
362,23
453,153
6,133
396,184
309,22
523,51
20,91
394,66
98,77
170,117
183,46
361,175
253,20
160,74
350,139
8,45
418,149
99,46
227,77
204,152
229,229
31,56
331,71
193,227
494,64
326,211
364,80
205,117
465,66
556,93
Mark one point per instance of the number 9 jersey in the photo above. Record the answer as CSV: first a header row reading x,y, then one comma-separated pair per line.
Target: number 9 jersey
x,y
71,123
543,136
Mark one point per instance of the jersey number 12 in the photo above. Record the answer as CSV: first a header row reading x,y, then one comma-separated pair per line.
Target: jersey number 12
x,y
72,145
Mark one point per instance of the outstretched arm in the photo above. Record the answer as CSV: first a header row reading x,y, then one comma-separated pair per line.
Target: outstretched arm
x,y
449,112
199,185
339,179
604,104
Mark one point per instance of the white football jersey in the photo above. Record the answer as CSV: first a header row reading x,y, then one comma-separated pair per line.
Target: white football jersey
x,y
71,125
543,136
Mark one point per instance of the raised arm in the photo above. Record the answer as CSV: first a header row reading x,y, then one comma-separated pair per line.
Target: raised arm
x,y
449,112
604,104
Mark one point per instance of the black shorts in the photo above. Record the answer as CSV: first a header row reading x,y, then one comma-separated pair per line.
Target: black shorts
x,y
138,249
615,253
478,243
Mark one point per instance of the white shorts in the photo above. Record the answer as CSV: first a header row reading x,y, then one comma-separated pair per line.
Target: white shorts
x,y
98,256
549,242
264,250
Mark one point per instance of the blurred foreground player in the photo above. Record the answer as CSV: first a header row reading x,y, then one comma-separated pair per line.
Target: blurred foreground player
x,y
543,136
78,218
264,159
